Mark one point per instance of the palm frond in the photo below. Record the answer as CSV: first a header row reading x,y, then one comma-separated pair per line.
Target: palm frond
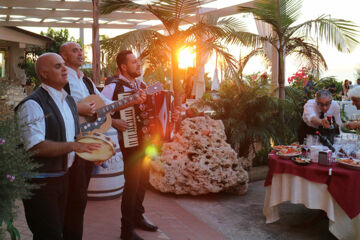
x,y
246,39
255,52
204,30
178,8
280,14
172,12
307,52
342,34
290,11
231,23
109,6
131,40
222,53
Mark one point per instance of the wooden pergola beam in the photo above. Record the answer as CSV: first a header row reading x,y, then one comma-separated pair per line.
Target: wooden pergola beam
x,y
7,14
64,25
48,4
96,42
37,13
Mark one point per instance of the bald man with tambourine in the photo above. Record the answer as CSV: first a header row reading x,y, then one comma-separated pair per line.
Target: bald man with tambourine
x,y
50,122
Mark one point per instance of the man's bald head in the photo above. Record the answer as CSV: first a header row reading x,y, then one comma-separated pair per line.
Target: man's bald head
x,y
51,70
42,63
72,54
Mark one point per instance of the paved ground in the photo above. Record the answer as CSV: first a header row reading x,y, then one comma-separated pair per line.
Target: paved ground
x,y
210,217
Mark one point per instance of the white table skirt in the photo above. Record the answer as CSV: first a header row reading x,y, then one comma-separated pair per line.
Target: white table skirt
x,y
287,187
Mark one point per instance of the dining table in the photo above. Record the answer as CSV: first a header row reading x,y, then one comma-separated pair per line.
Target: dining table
x,y
333,189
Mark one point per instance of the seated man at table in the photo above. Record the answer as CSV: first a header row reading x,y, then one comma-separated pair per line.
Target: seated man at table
x,y
315,115
354,94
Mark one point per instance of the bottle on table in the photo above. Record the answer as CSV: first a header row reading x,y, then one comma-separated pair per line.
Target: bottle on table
x,y
325,141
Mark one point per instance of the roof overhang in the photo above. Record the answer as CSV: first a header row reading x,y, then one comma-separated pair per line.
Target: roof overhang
x,y
22,36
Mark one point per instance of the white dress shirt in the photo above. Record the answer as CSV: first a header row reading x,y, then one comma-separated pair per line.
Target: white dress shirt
x,y
78,89
32,119
311,109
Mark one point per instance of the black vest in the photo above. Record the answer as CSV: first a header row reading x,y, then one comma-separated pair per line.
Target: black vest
x,y
54,128
88,85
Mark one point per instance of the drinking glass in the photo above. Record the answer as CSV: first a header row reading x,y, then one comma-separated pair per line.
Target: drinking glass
x,y
337,144
316,140
353,118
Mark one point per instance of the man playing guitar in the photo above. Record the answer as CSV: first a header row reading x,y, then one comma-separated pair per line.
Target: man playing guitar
x,y
79,88
135,171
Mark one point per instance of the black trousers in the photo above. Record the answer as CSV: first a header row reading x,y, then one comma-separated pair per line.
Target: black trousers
x,y
77,199
45,210
136,172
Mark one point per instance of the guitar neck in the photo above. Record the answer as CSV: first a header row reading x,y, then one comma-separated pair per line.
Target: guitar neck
x,y
115,105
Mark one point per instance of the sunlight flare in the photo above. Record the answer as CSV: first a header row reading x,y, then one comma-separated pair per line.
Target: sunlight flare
x,y
186,57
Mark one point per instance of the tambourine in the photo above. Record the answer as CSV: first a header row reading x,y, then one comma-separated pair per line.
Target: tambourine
x,y
106,151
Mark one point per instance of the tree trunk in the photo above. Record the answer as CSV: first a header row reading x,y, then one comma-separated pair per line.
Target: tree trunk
x,y
281,74
96,43
175,77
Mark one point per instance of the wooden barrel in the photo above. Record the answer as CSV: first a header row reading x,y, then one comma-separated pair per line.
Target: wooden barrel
x,y
108,183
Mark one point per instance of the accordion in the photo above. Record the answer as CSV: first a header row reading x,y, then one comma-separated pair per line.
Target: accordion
x,y
160,109
152,119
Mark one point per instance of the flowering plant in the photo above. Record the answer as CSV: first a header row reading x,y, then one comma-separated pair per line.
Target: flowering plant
x,y
300,78
262,79
15,167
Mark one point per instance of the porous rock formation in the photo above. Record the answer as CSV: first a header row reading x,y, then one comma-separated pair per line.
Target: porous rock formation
x,y
198,161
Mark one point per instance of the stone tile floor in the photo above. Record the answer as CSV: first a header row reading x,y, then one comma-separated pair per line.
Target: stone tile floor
x,y
210,217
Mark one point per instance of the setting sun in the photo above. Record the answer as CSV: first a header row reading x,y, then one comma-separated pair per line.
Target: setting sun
x,y
186,57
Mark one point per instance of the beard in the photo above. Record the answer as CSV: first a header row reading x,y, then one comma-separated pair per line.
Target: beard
x,y
134,74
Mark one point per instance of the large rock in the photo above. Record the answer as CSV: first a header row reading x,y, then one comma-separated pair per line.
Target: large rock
x,y
198,161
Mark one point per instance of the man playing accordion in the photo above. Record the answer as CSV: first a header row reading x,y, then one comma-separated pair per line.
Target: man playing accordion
x,y
135,171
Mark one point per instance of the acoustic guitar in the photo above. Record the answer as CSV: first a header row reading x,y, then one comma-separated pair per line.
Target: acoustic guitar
x,y
101,121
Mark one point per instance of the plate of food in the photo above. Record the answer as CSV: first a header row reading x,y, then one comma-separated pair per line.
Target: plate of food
x,y
289,152
349,163
282,147
301,160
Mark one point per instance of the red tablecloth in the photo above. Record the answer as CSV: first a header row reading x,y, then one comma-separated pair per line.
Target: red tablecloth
x,y
343,184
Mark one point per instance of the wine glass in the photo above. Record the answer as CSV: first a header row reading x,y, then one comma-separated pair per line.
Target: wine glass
x,y
337,144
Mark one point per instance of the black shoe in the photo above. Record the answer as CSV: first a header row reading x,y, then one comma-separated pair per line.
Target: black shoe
x,y
131,235
145,225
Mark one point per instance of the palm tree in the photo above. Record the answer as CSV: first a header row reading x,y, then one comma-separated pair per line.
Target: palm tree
x,y
309,54
243,61
286,37
204,35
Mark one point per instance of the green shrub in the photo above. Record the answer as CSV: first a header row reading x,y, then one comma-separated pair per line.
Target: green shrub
x,y
15,167
250,114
